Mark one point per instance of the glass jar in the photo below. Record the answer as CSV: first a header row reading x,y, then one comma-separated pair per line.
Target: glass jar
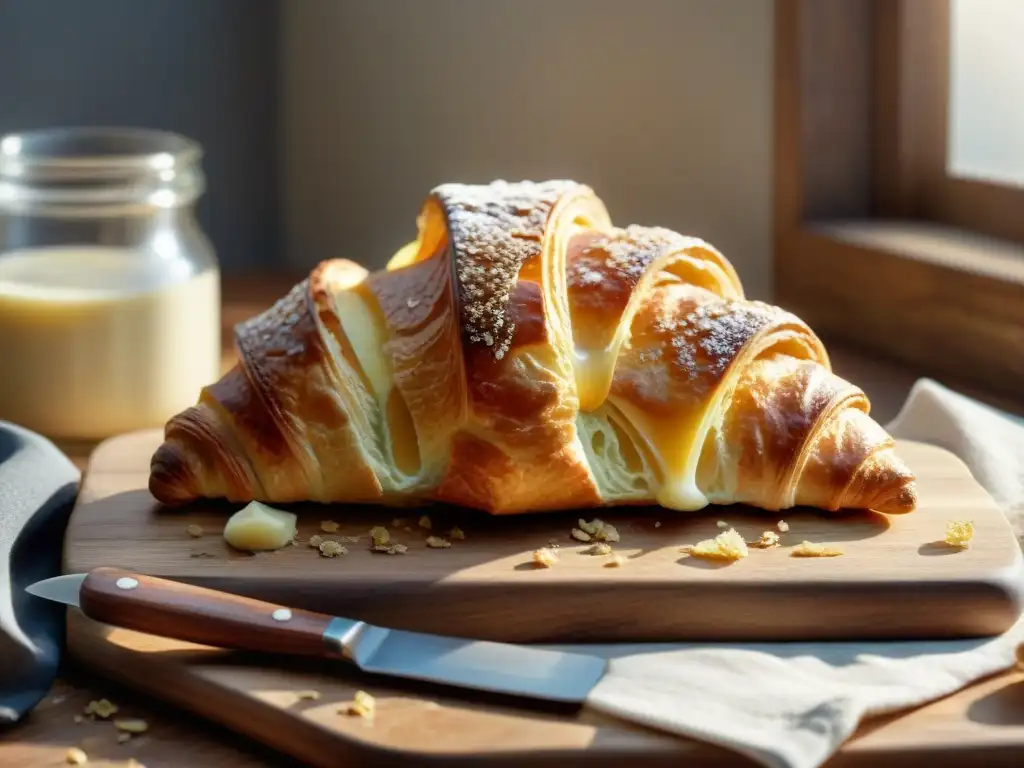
x,y
109,289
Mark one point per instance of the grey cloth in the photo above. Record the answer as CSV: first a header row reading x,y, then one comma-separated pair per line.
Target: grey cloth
x,y
38,485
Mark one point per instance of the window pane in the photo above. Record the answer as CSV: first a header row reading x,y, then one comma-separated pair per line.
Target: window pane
x,y
986,117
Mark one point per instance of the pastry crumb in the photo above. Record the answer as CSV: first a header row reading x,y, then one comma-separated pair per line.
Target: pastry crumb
x,y
315,541
782,525
391,549
959,533
101,708
76,756
380,536
331,548
424,522
329,526
544,557
808,549
457,533
132,726
599,530
657,524
553,544
309,695
728,545
580,535
195,531
768,540
349,539
616,562
362,705
601,548
722,524
78,718
436,542
123,738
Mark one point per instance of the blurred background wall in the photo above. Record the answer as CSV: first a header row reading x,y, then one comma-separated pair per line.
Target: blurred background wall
x,y
205,68
326,121
663,106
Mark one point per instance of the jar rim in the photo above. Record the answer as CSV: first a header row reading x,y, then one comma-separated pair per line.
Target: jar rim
x,y
96,147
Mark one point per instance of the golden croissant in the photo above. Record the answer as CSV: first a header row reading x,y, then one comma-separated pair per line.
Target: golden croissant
x,y
524,354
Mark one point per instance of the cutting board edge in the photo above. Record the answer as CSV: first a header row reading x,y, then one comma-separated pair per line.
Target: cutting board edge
x,y
156,434
89,649
996,605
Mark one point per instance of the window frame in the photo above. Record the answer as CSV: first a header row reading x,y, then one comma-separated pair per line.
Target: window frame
x,y
875,245
911,76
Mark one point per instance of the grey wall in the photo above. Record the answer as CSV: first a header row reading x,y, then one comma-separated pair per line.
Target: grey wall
x,y
328,120
663,106
206,68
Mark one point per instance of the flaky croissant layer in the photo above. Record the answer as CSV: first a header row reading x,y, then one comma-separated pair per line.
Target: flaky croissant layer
x,y
524,354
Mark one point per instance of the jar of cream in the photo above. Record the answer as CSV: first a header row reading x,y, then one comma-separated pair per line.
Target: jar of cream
x,y
109,289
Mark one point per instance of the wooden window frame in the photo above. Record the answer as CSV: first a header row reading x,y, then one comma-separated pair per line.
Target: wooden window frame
x,y
875,245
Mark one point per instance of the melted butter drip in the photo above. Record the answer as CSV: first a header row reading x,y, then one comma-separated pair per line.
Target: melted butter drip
x,y
593,370
676,446
366,332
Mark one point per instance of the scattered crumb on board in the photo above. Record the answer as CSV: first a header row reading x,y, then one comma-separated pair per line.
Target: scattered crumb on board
x,y
809,549
544,557
597,530
315,540
424,522
309,695
768,540
728,545
101,708
329,526
616,562
600,548
132,726
362,705
782,525
959,533
436,542
331,548
195,531
457,533
76,756
391,549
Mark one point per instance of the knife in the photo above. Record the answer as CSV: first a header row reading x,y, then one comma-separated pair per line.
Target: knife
x,y
206,616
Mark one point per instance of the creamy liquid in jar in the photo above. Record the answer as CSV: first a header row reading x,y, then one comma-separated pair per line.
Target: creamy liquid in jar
x,y
96,341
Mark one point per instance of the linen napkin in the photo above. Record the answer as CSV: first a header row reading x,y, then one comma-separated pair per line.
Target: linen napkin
x,y
38,485
792,705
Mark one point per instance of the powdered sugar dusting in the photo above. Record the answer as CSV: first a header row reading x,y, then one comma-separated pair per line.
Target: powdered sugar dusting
x,y
494,229
631,250
622,256
706,338
275,328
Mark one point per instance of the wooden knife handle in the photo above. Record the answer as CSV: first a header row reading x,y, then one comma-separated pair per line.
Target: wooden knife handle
x,y
200,615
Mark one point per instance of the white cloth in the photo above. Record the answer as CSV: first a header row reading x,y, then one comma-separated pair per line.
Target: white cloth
x,y
792,705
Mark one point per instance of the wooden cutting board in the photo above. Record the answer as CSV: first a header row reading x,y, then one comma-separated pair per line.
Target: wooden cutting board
x,y
422,727
896,579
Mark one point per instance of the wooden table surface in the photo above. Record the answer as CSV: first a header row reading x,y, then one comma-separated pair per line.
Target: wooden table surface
x,y
175,738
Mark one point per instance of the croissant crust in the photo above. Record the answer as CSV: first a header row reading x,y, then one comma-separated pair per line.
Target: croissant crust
x,y
524,354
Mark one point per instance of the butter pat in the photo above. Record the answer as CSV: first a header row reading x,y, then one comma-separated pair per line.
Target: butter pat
x,y
258,527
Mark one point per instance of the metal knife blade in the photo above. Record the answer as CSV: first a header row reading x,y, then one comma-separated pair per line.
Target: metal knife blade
x,y
484,665
60,589
518,670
